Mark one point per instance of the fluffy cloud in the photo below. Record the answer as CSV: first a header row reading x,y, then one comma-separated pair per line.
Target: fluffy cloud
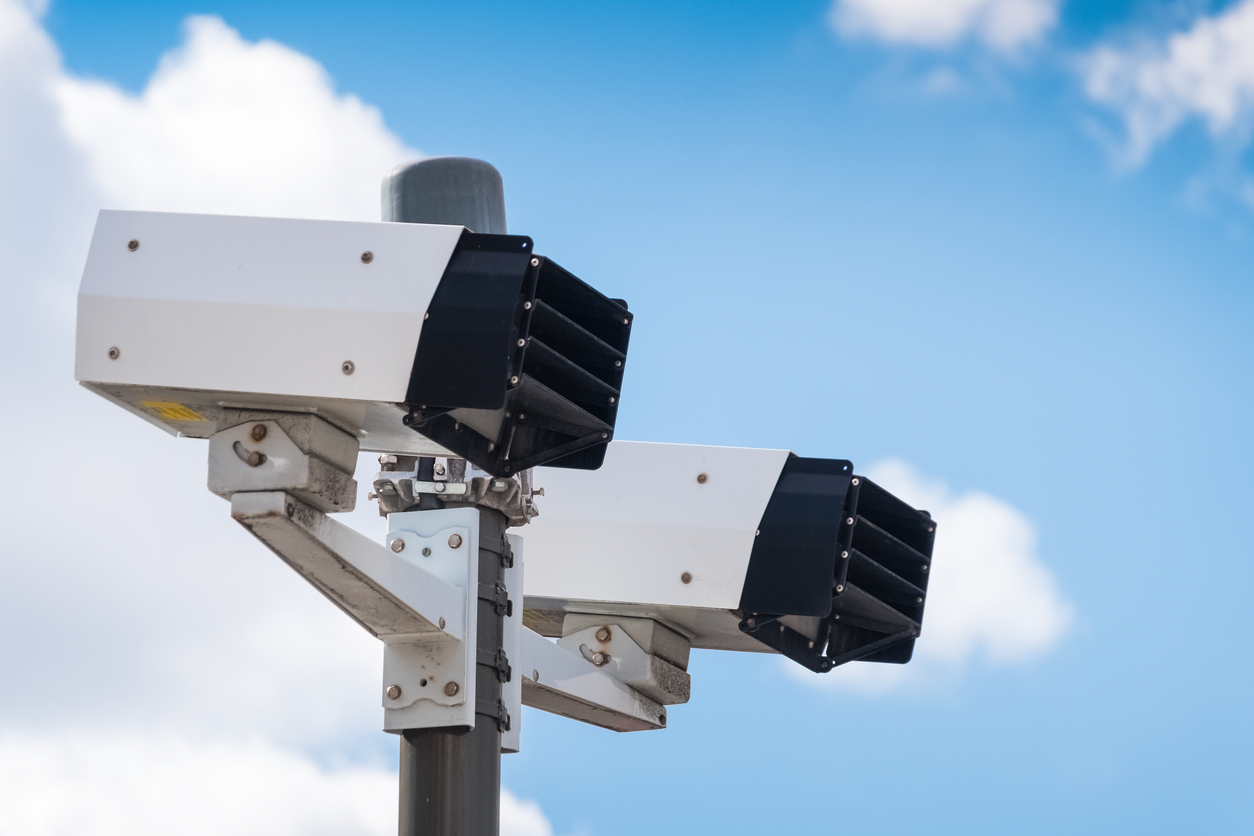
x,y
989,596
228,126
1205,72
138,621
1002,25
141,786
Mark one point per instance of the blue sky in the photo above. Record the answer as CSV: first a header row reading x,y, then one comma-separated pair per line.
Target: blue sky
x,y
1015,257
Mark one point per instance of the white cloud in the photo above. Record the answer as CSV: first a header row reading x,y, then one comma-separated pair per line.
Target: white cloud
x,y
75,785
230,126
1002,25
1205,72
990,597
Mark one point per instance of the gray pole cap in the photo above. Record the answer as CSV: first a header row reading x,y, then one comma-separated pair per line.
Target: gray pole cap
x,y
446,190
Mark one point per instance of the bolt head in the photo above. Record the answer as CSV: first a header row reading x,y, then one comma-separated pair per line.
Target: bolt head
x,y
535,262
397,545
291,510
367,257
603,634
686,577
439,487
258,432
451,689
535,675
256,458
455,541
426,551
132,244
114,353
856,481
702,478
521,342
598,659
840,587
441,622
848,520
348,367
394,692
844,555
513,380
526,306
439,470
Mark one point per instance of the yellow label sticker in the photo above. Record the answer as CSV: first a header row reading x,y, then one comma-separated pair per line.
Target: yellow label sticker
x,y
173,411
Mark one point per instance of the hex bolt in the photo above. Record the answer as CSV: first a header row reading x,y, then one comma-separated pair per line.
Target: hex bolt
x,y
256,458
603,634
114,353
439,470
348,367
132,244
686,577
259,432
394,692
426,551
855,481
367,257
599,659
439,487
454,541
451,689
535,262
397,545
702,478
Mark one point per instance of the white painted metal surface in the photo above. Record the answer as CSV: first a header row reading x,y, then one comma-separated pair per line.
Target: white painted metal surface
x,y
423,665
661,531
258,313
386,594
561,682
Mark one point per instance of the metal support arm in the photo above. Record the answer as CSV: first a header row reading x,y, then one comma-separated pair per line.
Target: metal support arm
x,y
561,682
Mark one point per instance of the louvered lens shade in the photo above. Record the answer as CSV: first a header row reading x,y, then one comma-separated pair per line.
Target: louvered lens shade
x,y
839,569
519,363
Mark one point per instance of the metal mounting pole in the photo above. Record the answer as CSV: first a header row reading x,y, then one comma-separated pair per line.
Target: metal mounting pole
x,y
450,780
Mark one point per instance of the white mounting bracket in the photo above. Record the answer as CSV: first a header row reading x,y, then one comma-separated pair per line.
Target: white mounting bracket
x,y
419,593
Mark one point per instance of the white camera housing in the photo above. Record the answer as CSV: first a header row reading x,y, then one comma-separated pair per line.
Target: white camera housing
x,y
415,338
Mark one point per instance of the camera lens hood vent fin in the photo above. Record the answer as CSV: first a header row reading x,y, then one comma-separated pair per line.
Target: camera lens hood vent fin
x,y
519,363
839,569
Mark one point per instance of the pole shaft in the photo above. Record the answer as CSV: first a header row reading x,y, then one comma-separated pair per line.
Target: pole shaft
x,y
450,779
